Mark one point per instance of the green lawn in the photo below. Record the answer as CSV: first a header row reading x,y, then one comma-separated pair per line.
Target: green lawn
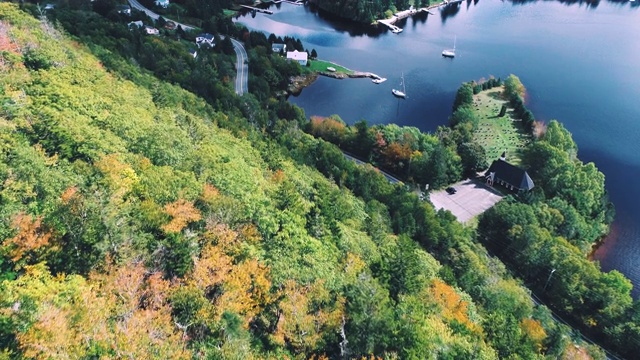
x,y
229,13
497,134
322,65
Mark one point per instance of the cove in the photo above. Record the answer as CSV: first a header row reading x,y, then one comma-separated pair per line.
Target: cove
x,y
578,60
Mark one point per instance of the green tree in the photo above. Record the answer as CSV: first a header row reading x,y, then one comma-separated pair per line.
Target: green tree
x,y
473,157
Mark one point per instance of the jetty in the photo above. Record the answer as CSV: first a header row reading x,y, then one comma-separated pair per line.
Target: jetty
x,y
298,2
269,12
390,23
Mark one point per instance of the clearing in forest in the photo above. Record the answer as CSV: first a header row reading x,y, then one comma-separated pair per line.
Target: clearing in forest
x,y
497,134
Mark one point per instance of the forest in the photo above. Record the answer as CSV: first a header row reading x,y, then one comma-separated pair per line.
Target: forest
x,y
367,11
149,212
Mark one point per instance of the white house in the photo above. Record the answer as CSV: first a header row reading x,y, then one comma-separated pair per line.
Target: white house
x,y
193,53
135,24
150,30
162,3
205,39
278,47
124,9
300,57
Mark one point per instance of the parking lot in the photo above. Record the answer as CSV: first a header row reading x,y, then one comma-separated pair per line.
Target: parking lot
x,y
472,198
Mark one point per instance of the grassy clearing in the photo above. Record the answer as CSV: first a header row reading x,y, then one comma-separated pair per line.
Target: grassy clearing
x,y
322,65
497,134
229,13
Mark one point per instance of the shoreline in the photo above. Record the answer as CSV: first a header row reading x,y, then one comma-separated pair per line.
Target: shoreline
x,y
298,83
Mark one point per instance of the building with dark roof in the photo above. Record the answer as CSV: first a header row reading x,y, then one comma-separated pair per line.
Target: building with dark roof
x,y
511,177
205,39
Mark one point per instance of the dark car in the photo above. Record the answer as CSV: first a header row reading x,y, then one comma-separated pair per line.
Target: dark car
x,y
450,190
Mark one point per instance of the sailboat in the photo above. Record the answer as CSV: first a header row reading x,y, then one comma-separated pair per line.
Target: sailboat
x,y
451,53
398,93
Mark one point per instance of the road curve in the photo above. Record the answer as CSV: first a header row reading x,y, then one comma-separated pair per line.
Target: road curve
x,y
136,5
242,69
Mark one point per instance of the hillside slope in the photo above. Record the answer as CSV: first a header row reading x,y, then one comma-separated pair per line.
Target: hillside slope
x,y
134,225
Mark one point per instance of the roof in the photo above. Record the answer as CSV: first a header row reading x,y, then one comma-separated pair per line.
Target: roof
x,y
277,46
297,55
136,23
511,174
205,36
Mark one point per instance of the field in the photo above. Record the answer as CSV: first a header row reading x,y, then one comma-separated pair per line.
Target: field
x,y
498,134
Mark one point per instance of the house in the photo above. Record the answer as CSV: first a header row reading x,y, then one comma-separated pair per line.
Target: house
x,y
150,30
162,3
278,48
124,9
50,6
135,25
510,176
205,39
193,53
300,57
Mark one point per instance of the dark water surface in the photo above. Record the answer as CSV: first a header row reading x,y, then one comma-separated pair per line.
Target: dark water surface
x,y
580,63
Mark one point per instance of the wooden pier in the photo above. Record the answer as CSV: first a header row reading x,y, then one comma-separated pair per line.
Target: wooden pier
x,y
269,12
407,13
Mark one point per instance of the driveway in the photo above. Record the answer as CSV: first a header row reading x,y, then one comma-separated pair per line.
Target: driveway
x,y
471,199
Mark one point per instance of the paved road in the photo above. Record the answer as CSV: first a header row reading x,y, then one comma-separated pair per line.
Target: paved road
x,y
242,68
136,5
360,162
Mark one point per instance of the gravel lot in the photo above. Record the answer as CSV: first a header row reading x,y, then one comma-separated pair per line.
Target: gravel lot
x,y
472,198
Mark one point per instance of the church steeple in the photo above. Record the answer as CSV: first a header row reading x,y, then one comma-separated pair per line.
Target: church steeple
x,y
503,157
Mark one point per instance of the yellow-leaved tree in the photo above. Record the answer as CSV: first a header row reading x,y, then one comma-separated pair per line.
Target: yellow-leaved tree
x,y
122,313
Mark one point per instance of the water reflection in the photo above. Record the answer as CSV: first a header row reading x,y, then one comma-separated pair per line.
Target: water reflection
x,y
449,11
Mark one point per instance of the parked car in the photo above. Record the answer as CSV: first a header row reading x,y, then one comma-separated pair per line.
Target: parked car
x,y
451,190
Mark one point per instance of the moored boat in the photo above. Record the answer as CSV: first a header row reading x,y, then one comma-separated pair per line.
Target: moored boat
x,y
450,53
400,93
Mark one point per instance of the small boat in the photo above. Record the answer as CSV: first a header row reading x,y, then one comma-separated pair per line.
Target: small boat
x,y
450,53
396,30
398,93
332,69
378,80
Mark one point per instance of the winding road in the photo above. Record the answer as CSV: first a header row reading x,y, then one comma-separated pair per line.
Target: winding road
x,y
242,68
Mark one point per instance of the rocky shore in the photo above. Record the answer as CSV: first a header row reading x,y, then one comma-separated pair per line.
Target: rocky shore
x,y
297,83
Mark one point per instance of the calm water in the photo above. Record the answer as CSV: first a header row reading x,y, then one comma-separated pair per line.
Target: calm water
x,y
579,62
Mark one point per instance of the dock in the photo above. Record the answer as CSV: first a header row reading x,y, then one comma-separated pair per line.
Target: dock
x,y
298,2
410,12
269,12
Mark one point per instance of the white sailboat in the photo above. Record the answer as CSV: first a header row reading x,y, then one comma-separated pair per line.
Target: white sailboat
x,y
451,53
398,93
